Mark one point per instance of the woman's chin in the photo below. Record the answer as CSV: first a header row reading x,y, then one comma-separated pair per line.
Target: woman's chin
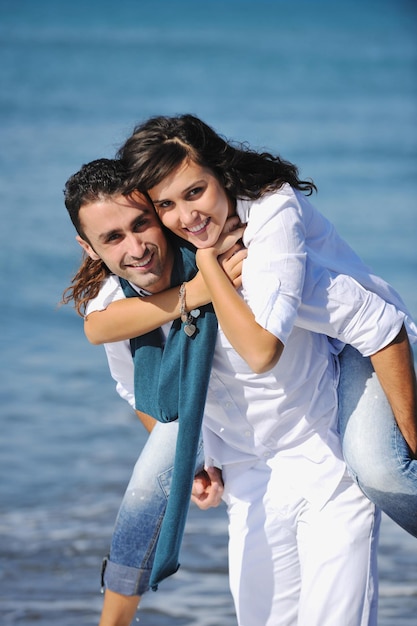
x,y
201,244
205,240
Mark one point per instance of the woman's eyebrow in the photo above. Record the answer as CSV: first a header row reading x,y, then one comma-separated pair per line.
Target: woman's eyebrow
x,y
183,192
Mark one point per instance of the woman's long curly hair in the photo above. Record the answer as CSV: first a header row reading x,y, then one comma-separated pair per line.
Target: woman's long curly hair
x,y
85,284
159,145
98,180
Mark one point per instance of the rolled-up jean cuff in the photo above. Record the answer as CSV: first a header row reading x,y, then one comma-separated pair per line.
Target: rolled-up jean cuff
x,y
128,581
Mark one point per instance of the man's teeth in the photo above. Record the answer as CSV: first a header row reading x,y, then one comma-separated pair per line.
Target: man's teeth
x,y
142,264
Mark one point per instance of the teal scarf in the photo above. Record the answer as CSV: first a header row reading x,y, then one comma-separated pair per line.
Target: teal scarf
x,y
171,383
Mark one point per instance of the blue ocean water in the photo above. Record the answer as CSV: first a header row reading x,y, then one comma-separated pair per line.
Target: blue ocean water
x,y
329,85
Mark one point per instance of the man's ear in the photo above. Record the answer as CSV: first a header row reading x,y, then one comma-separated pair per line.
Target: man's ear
x,y
86,246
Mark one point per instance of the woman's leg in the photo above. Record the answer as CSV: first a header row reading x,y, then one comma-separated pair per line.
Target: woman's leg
x,y
377,455
128,567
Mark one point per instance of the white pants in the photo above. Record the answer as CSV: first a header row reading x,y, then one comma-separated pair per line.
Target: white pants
x,y
293,565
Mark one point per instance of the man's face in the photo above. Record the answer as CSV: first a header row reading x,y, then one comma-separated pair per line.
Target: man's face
x,y
125,233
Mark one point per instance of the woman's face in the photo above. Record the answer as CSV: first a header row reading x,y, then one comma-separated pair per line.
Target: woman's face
x,y
193,204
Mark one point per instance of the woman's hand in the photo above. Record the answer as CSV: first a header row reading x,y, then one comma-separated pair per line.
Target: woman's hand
x,y
224,243
232,262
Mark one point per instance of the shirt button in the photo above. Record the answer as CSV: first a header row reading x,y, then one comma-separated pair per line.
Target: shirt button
x,y
228,405
247,433
267,454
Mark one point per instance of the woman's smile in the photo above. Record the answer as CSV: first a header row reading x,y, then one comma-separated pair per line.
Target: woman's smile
x,y
192,203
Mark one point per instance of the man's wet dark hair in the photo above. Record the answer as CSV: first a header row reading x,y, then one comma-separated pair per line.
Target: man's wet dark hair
x,y
97,180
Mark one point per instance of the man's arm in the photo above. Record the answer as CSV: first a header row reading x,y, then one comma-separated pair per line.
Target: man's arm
x,y
208,484
394,367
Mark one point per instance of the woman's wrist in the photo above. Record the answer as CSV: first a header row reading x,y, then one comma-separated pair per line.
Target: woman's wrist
x,y
197,292
206,256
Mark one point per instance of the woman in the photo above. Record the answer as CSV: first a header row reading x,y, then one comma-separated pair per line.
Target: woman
x,y
197,181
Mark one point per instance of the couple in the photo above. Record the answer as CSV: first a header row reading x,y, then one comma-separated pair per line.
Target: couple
x,y
303,537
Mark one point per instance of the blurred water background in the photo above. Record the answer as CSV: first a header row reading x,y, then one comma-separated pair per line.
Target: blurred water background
x,y
330,85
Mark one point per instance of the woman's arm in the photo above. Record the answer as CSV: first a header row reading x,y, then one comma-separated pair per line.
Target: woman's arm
x,y
132,317
258,326
257,346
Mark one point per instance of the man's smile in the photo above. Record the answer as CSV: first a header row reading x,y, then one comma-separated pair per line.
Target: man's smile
x,y
143,263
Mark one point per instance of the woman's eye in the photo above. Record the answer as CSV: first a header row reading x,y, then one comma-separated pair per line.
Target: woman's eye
x,y
195,192
164,205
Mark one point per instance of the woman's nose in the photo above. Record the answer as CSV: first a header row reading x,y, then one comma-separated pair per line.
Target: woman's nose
x,y
186,214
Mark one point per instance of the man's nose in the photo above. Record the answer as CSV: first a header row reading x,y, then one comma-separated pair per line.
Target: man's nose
x,y
135,245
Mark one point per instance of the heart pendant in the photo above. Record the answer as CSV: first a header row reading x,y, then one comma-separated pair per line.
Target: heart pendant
x,y
195,313
189,329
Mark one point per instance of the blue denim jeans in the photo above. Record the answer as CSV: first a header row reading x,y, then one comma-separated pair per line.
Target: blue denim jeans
x,y
128,567
376,454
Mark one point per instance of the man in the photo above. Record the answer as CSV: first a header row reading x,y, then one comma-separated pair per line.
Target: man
x,y
126,233
119,237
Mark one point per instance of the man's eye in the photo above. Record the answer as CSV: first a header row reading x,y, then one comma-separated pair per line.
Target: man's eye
x,y
113,237
140,224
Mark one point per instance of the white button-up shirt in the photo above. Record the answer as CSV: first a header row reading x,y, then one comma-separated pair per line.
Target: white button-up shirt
x,y
295,277
299,271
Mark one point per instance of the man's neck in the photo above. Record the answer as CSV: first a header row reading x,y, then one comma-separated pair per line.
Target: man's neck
x,y
141,292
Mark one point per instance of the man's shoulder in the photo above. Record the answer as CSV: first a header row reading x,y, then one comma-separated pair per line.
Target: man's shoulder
x,y
110,291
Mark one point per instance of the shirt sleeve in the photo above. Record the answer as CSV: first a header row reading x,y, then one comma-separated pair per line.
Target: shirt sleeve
x,y
344,310
119,356
273,273
110,291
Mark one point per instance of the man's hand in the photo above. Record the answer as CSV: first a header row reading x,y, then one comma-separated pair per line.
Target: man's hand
x,y
395,370
207,488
